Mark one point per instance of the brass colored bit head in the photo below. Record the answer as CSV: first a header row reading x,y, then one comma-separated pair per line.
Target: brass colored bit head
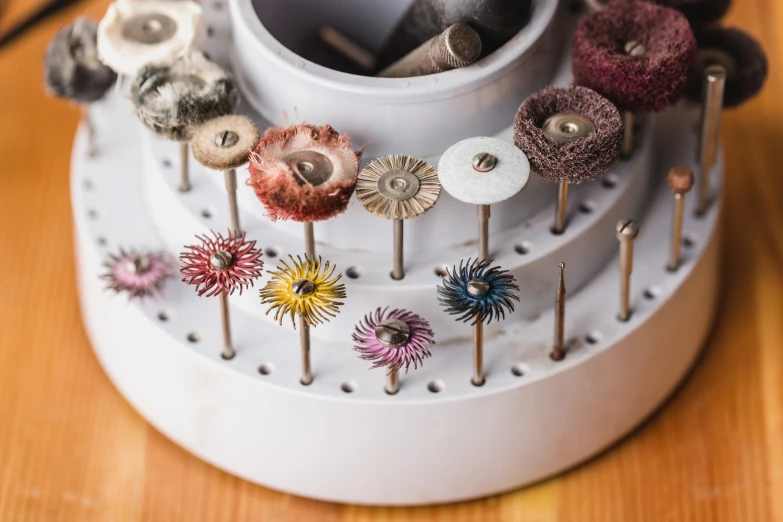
x,y
680,179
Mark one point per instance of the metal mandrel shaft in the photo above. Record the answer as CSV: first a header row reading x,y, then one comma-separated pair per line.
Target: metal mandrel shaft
x,y
680,181
478,354
628,134
458,46
392,382
398,272
627,230
231,189
714,87
347,48
483,219
184,173
228,347
674,252
558,347
309,241
304,339
560,211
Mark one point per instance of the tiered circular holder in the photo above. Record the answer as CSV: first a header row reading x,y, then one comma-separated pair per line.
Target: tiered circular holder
x,y
440,438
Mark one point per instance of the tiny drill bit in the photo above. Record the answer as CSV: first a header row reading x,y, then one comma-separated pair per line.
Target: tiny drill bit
x,y
680,181
714,87
558,349
627,230
457,46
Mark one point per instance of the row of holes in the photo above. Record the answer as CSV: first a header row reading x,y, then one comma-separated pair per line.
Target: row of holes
x,y
518,370
609,181
436,386
594,337
353,272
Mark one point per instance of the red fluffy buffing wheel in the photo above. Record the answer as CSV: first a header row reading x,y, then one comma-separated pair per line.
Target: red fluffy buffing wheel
x,y
578,160
699,12
741,56
304,172
643,78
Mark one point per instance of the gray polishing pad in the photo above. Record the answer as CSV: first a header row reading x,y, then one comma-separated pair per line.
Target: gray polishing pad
x,y
173,100
71,66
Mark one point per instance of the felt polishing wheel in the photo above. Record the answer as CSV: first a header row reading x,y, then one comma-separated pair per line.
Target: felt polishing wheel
x,y
305,173
586,138
72,69
699,12
742,57
134,34
505,179
172,100
225,142
636,54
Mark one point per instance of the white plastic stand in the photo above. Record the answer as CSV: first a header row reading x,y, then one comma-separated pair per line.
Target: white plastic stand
x,y
440,439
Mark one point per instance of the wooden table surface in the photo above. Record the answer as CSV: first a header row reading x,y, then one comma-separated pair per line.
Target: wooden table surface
x,y
72,449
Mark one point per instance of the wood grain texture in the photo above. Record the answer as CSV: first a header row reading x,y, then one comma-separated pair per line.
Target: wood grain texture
x,y
71,449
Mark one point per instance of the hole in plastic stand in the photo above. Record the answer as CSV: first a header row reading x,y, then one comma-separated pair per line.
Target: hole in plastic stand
x,y
593,337
194,337
518,370
354,272
436,386
266,369
522,248
349,386
609,181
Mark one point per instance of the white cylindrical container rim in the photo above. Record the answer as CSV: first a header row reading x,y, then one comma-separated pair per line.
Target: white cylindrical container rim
x,y
391,90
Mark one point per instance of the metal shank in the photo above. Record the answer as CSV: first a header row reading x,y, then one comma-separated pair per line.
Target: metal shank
x,y
714,86
231,189
483,219
304,339
398,272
